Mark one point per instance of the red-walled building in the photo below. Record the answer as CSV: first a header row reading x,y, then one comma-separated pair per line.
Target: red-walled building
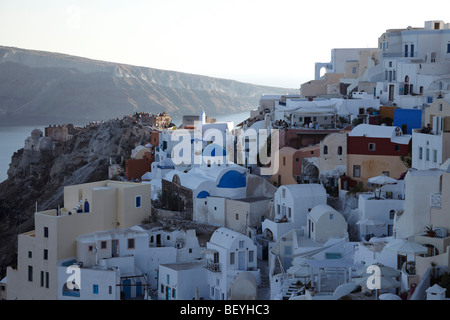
x,y
142,161
136,168
374,150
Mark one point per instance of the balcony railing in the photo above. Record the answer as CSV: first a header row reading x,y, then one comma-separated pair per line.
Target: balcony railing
x,y
212,266
400,54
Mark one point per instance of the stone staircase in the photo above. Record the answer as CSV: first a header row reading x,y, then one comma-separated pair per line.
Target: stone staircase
x,y
289,288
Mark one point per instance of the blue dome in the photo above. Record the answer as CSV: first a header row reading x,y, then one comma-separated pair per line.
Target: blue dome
x,y
232,179
203,194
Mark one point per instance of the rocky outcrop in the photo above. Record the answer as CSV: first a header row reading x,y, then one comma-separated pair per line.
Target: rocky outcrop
x,y
36,178
45,84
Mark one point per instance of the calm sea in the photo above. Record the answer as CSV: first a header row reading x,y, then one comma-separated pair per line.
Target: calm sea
x,y
14,131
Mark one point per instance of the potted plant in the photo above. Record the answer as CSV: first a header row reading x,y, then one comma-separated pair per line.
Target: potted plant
x,y
411,268
430,231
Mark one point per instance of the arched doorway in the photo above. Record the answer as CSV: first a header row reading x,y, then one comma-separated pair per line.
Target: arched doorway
x,y
311,173
406,87
268,234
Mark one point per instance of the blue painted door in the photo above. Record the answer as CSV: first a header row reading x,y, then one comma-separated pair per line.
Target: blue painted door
x,y
138,288
127,288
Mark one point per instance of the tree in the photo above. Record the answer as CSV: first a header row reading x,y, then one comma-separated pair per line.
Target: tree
x,y
407,160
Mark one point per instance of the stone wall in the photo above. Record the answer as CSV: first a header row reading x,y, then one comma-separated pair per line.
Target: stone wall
x,y
177,198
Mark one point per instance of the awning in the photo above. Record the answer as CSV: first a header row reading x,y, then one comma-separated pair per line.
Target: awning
x,y
406,247
382,179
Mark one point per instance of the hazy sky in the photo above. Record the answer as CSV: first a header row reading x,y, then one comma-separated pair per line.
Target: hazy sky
x,y
258,41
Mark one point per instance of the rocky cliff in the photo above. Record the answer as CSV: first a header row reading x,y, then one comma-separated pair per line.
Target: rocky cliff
x,y
36,83
38,177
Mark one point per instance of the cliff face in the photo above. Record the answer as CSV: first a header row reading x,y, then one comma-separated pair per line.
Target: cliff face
x,y
39,176
45,84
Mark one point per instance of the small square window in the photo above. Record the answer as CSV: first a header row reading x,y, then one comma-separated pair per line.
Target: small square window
x,y
103,245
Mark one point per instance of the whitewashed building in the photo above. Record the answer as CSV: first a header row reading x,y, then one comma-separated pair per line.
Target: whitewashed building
x,y
228,254
124,263
296,256
430,145
183,281
420,186
291,205
376,215
324,222
412,60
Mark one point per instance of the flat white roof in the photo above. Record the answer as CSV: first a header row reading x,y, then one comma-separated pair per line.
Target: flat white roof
x,y
184,265
376,131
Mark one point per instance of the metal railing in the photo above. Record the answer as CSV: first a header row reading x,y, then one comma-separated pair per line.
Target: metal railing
x,y
212,266
403,54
